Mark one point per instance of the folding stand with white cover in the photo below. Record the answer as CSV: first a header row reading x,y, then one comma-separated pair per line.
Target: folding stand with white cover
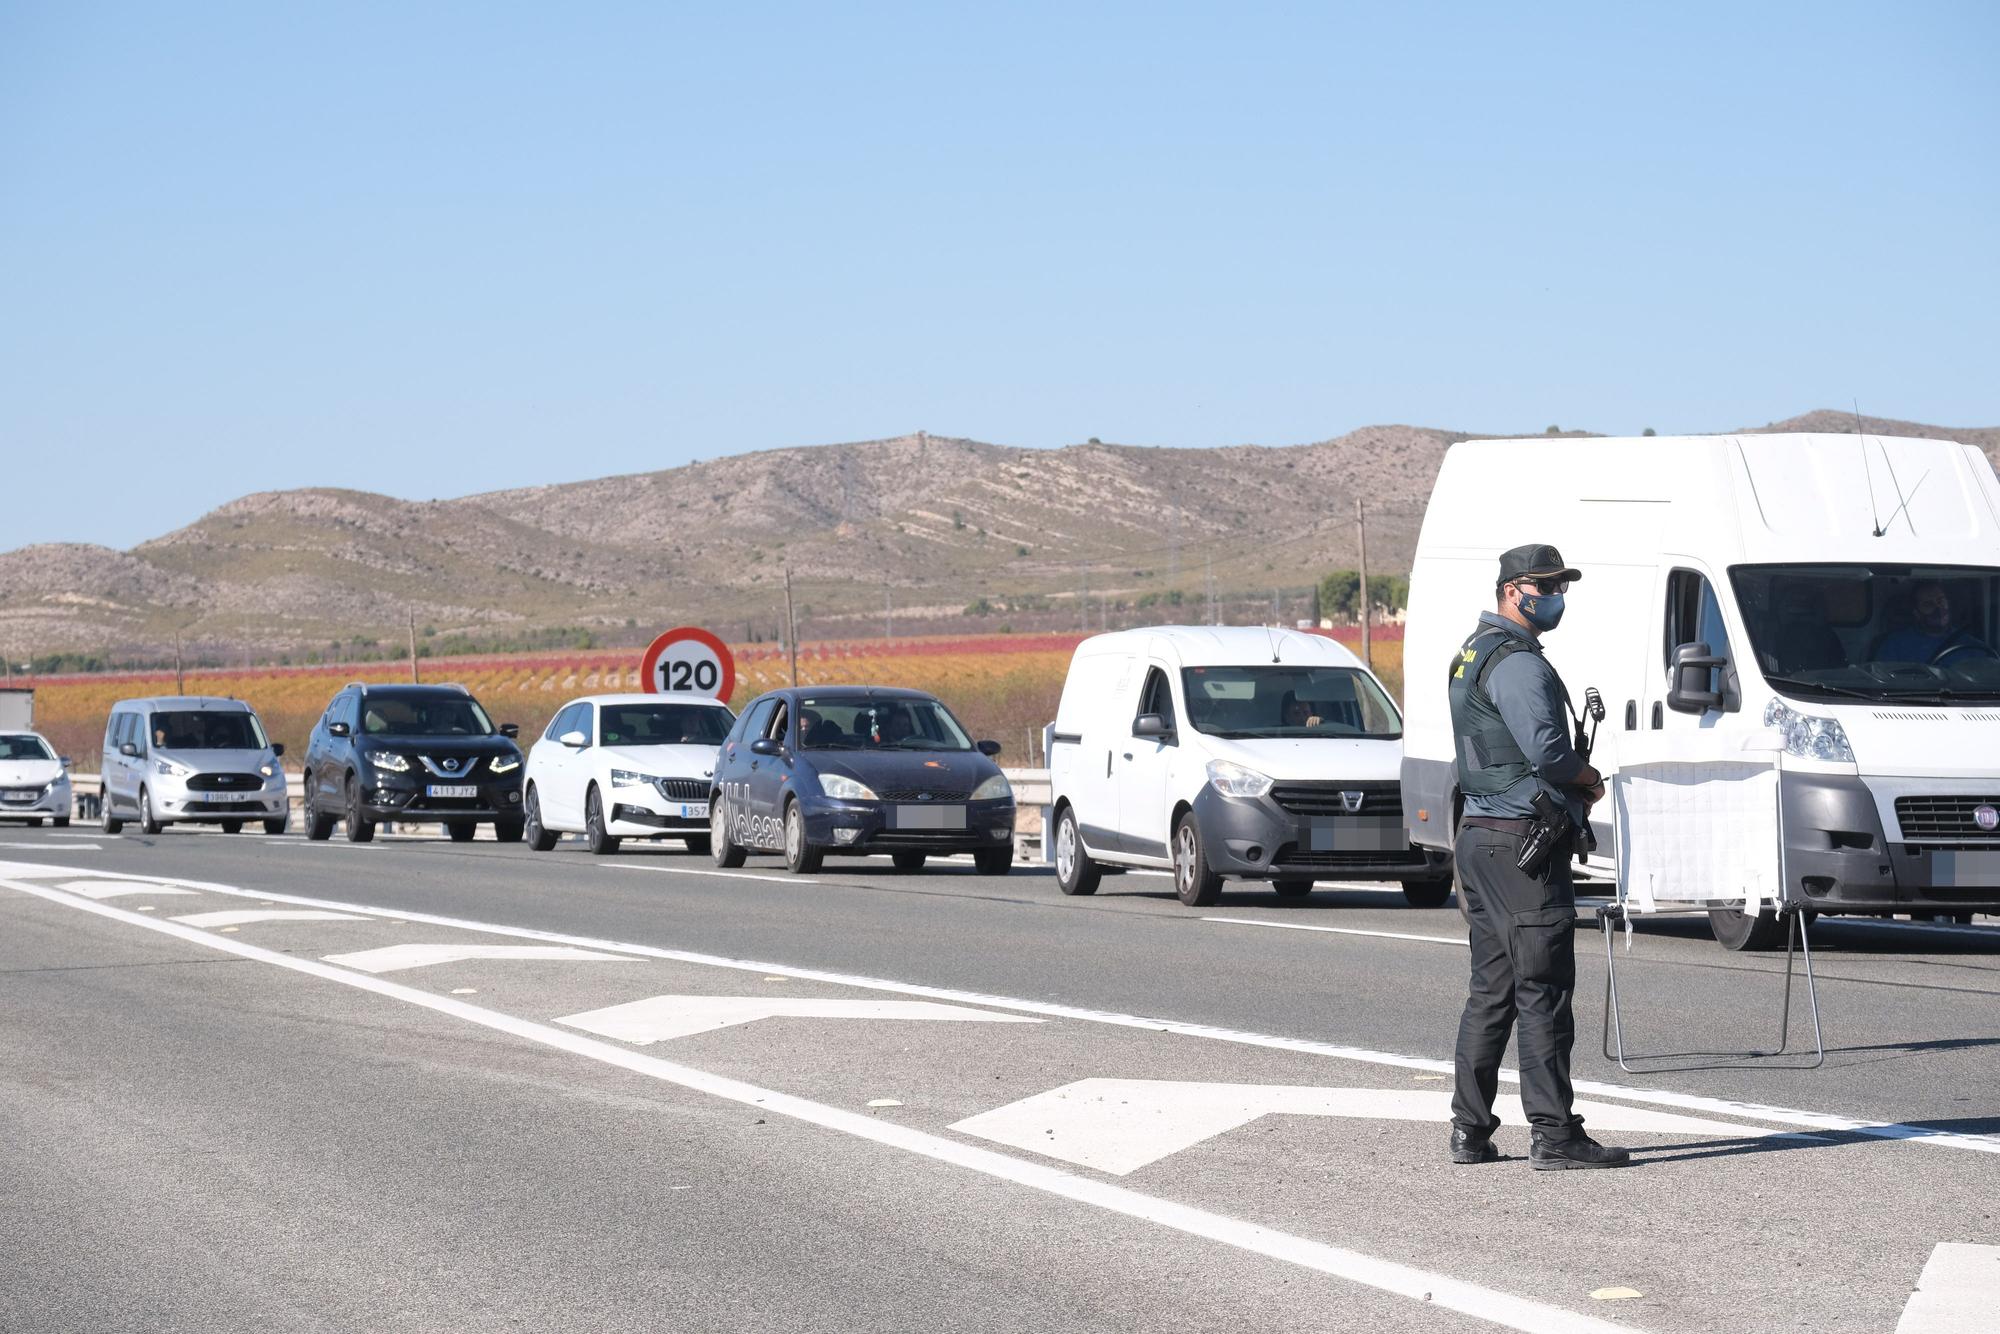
x,y
1696,832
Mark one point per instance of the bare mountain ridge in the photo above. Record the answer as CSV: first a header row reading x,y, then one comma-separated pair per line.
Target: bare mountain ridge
x,y
931,523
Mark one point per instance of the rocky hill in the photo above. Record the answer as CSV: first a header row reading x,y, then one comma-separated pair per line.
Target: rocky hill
x,y
928,525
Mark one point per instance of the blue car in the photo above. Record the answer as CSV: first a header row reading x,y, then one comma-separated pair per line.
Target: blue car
x,y
809,771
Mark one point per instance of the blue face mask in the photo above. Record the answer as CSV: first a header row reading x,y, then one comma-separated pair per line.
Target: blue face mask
x,y
1544,611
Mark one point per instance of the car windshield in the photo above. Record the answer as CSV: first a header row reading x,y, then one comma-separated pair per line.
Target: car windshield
x,y
664,724
1286,701
423,715
207,730
23,748
1901,632
879,724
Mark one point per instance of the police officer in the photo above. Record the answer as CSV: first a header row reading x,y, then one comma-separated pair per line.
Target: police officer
x,y
1510,717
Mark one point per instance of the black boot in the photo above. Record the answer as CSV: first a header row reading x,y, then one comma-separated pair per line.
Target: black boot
x,y
1470,1148
1546,1153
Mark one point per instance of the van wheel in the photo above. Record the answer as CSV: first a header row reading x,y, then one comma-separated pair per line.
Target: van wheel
x,y
1737,930
508,831
461,831
106,821
60,822
1076,873
360,829
147,823
697,844
600,842
801,857
1427,893
725,854
1292,889
319,825
277,826
232,826
908,861
1196,884
539,837
35,823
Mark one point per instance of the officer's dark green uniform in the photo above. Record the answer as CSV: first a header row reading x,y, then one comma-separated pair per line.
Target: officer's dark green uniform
x,y
1510,720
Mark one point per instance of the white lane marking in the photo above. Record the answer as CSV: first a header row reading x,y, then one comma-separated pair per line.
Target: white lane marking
x,y
55,847
1894,1130
87,838
113,889
243,916
1340,930
395,958
713,875
663,1018
1401,1280
1120,1125
1956,1293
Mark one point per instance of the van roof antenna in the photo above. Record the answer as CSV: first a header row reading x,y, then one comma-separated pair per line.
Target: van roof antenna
x,y
1866,471
1272,639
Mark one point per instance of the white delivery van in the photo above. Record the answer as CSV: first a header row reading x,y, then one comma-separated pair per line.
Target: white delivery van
x,y
1230,753
1827,603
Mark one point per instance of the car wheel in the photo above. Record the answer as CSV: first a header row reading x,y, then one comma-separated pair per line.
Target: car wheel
x,y
60,822
360,829
801,857
540,838
908,861
147,824
726,854
460,831
319,826
508,831
232,826
600,843
1196,885
35,823
697,844
1076,873
994,861
1735,929
1292,889
277,826
106,821
1427,893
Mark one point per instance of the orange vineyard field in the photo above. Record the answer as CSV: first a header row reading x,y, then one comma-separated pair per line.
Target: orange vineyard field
x,y
1003,686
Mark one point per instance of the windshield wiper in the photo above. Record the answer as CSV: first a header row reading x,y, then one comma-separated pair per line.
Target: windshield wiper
x,y
1848,691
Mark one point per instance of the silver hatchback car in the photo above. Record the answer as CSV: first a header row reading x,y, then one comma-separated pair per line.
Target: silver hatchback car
x,y
191,759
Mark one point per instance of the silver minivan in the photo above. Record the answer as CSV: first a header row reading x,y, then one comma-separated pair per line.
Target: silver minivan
x,y
191,759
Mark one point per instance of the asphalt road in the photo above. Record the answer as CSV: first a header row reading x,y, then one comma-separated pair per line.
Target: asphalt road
x,y
864,1099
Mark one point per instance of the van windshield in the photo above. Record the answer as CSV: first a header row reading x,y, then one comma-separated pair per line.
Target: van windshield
x,y
1914,633
204,730
1283,701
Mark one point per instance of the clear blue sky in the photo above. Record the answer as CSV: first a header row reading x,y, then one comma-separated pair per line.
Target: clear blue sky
x,y
432,249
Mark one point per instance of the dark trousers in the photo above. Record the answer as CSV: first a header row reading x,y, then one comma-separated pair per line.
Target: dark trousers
x,y
1523,968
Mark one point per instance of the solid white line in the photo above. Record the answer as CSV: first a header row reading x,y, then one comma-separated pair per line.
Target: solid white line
x,y
56,847
1955,1293
717,875
1340,930
1659,1097
245,916
1338,1262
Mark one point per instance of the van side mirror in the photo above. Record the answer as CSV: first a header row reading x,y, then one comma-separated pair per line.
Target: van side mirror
x,y
278,749
338,729
1151,725
510,729
130,750
65,761
1694,683
763,745
989,748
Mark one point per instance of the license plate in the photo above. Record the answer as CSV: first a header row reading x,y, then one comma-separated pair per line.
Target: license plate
x,y
1357,833
1966,870
17,798
451,790
695,812
230,796
930,817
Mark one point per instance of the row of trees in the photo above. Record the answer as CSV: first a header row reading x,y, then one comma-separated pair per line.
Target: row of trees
x,y
1340,594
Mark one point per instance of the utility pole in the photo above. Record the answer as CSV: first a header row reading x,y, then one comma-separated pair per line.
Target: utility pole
x,y
888,615
791,626
1361,528
1083,603
180,680
1213,619
414,677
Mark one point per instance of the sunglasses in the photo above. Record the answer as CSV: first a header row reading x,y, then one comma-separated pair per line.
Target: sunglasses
x,y
1546,587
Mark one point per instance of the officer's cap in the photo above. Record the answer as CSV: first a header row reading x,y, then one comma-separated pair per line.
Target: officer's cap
x,y
1537,560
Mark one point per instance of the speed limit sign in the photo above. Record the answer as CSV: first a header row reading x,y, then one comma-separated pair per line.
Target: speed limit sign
x,y
691,660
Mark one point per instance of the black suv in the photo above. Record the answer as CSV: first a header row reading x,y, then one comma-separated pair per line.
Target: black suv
x,y
421,754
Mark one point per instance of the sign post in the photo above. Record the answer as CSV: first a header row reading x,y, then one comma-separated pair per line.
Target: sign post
x,y
688,660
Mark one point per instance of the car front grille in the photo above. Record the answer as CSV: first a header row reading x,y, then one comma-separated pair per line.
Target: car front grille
x,y
931,793
682,789
225,782
1331,798
1946,820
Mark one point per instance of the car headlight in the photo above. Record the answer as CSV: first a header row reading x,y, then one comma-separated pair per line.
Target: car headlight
x,y
996,788
391,761
504,764
630,778
171,769
842,788
268,769
1233,780
1807,734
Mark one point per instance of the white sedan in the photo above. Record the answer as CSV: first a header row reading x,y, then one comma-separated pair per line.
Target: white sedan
x,y
612,767
34,784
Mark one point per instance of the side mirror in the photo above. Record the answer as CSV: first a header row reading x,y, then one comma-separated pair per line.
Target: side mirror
x,y
763,745
510,729
1151,725
1694,684
989,748
278,749
574,740
130,749
65,761
339,729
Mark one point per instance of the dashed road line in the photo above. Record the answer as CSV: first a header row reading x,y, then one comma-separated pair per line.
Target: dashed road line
x,y
1340,930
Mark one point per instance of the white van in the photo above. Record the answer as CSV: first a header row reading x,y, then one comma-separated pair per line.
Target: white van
x,y
1829,601
1230,753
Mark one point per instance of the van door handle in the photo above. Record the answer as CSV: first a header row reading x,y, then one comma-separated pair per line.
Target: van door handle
x,y
1107,764
1656,715
1631,715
